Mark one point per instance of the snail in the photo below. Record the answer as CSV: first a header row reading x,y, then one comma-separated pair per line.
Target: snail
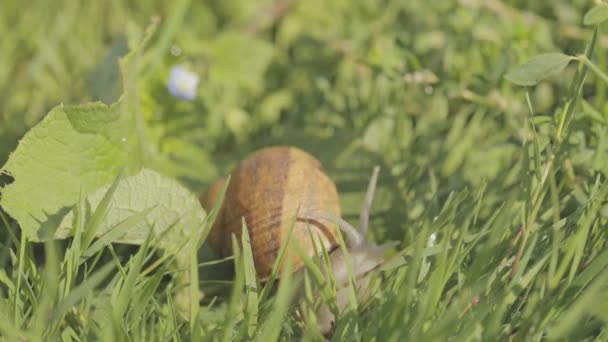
x,y
268,189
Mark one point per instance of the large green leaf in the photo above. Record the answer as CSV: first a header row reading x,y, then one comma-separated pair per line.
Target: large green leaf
x,y
74,151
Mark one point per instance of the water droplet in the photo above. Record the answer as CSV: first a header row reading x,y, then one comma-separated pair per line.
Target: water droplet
x,y
176,50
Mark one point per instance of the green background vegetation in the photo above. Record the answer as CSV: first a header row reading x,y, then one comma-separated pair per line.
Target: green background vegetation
x,y
510,180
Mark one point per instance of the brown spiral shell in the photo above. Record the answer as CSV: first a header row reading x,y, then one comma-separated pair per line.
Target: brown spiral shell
x,y
268,188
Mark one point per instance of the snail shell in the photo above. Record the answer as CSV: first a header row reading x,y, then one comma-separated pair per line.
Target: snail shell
x,y
269,188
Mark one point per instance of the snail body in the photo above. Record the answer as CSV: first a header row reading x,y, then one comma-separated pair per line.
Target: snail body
x,y
276,187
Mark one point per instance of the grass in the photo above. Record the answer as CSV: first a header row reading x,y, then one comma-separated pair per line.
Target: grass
x,y
493,177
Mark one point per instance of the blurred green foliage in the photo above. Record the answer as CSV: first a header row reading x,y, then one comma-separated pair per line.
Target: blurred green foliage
x,y
417,87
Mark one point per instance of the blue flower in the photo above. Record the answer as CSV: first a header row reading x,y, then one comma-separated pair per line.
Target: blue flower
x,y
183,83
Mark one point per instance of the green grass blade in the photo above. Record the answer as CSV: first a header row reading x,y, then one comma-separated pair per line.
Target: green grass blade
x,y
82,290
112,234
100,213
125,292
271,328
250,320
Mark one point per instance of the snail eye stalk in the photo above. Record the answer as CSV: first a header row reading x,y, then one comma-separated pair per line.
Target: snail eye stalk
x,y
355,237
352,234
367,204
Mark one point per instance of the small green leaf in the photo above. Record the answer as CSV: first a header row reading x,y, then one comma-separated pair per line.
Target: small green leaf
x,y
378,134
596,15
239,60
539,68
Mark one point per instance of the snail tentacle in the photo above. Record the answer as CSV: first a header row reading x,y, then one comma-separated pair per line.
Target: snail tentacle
x,y
354,237
367,204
